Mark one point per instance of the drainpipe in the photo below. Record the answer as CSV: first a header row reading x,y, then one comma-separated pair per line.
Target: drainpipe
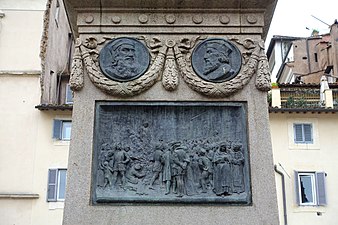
x,y
284,197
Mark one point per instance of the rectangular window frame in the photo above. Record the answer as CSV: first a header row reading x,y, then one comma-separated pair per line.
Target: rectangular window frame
x,y
65,137
55,183
318,188
313,189
303,134
69,95
59,129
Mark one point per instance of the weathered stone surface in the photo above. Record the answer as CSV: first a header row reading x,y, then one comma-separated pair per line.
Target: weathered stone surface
x,y
106,111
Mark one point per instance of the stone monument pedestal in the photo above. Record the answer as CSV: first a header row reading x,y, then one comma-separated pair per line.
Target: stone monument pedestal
x,y
170,116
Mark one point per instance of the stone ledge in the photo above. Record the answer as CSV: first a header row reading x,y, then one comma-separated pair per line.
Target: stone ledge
x,y
75,8
18,196
63,107
20,72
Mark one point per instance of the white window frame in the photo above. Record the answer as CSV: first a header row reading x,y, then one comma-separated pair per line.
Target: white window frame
x,y
313,189
63,132
58,186
56,195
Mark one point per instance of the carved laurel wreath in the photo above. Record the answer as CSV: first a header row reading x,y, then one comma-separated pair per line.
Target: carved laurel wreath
x,y
169,59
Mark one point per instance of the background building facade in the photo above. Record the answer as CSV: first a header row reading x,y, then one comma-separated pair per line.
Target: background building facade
x,y
303,120
33,156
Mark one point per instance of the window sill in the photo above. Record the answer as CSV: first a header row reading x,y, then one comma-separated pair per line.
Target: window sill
x,y
304,147
18,196
61,142
56,205
310,208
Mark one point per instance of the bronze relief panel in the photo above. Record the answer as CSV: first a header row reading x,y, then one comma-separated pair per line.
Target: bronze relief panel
x,y
171,152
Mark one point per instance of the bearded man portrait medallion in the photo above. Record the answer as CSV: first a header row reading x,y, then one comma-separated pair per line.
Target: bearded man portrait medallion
x,y
124,59
216,60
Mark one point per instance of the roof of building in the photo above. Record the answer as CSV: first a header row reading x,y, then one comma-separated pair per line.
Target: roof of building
x,y
302,110
276,38
306,85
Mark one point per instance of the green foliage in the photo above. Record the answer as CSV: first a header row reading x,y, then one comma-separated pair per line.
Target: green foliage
x,y
274,85
292,102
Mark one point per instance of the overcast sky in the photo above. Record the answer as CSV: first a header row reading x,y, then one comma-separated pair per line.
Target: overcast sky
x,y
293,16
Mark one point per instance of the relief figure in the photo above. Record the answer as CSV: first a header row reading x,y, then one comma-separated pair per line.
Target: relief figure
x,y
205,167
166,160
222,171
237,169
123,65
135,173
180,162
216,61
121,158
124,59
157,166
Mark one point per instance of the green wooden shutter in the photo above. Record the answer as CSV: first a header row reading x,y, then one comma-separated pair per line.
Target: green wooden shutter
x,y
57,126
307,133
297,191
298,133
320,187
52,185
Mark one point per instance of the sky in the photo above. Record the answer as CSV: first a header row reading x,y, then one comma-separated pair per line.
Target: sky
x,y
292,17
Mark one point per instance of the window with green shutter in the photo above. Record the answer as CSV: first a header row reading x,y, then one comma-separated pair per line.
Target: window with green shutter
x,y
310,188
303,133
62,129
56,185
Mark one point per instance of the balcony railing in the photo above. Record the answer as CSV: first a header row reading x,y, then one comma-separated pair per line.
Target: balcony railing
x,y
305,96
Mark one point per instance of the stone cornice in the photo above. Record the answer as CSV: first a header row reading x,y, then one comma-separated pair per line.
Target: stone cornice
x,y
104,13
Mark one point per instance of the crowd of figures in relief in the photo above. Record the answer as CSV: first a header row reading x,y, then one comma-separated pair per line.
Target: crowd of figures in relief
x,y
181,168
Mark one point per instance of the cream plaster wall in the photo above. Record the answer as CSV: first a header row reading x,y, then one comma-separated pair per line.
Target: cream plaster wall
x,y
320,157
27,149
50,154
27,152
20,35
16,212
23,4
19,124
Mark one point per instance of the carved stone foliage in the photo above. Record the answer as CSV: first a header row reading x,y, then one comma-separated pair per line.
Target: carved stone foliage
x,y
170,59
161,152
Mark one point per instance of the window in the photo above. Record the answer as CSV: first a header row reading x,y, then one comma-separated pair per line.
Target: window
x,y
57,12
310,188
303,133
62,129
56,185
69,95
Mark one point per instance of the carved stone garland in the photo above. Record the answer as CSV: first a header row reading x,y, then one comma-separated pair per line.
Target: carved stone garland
x,y
175,58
